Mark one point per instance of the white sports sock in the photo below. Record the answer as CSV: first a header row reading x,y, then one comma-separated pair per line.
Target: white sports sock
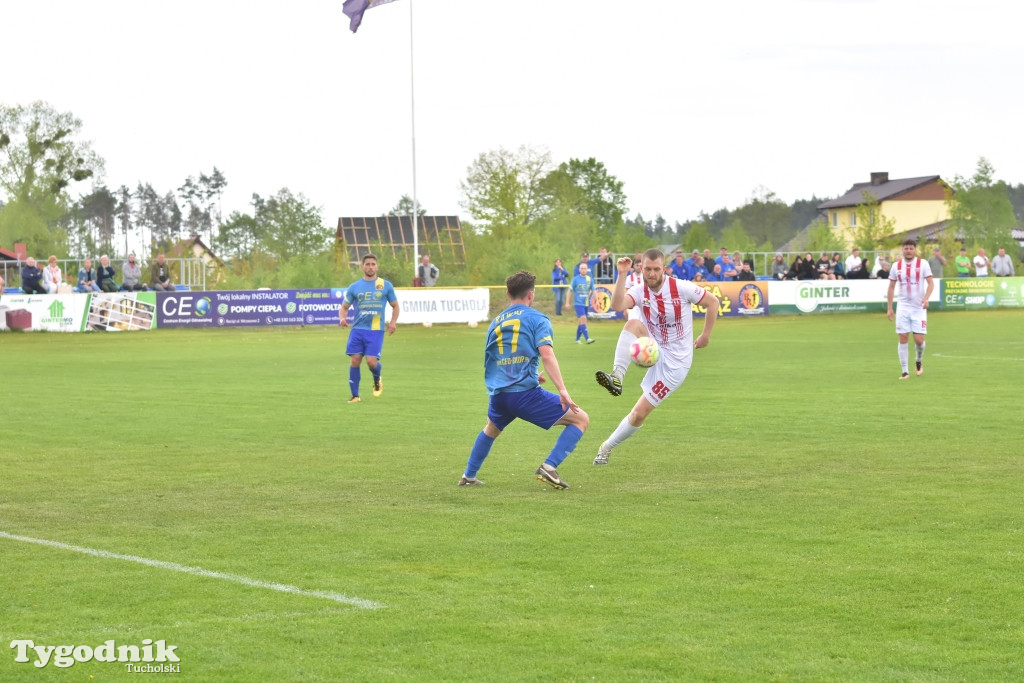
x,y
621,433
904,354
622,353
920,351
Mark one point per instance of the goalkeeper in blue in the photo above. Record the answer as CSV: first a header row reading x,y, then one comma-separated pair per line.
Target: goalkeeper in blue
x,y
517,340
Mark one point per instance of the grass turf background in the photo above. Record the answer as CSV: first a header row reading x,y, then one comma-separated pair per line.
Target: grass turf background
x,y
793,513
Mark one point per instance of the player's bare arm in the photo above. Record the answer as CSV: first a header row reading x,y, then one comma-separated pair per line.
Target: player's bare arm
x,y
623,265
928,293
710,303
547,354
393,324
343,314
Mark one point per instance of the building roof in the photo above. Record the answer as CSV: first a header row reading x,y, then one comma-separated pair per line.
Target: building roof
x,y
195,245
927,233
881,190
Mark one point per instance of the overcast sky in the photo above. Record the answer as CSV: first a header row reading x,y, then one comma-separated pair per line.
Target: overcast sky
x,y
693,106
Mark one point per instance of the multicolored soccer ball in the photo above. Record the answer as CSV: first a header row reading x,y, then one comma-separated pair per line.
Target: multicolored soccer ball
x,y
644,352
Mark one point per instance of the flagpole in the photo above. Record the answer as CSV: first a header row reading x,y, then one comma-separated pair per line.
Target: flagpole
x,y
415,199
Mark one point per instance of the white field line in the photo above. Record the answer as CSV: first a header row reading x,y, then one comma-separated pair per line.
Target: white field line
x,y
197,571
959,357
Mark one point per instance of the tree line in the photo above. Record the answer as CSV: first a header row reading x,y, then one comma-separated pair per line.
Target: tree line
x,y
42,158
523,210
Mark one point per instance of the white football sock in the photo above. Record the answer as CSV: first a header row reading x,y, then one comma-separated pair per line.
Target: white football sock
x,y
626,338
904,354
621,433
920,351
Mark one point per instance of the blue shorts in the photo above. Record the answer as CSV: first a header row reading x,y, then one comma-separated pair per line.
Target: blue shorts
x,y
536,406
365,342
581,311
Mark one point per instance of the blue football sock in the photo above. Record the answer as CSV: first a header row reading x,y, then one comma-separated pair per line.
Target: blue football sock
x,y
586,332
565,445
376,372
579,331
353,380
481,448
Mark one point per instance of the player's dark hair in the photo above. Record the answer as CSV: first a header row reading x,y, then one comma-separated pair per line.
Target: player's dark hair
x,y
909,240
520,284
373,256
654,255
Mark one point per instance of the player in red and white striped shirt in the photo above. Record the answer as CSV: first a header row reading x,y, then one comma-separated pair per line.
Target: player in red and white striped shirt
x,y
911,280
666,315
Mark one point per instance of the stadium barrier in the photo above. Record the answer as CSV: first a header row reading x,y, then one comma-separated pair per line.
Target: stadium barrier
x,y
126,311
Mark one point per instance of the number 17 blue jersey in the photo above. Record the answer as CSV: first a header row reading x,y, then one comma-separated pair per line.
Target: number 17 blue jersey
x,y
511,353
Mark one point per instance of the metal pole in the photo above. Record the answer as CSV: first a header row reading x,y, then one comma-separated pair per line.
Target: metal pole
x,y
415,199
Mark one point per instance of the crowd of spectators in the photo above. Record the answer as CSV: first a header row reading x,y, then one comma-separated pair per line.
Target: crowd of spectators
x,y
702,267
50,279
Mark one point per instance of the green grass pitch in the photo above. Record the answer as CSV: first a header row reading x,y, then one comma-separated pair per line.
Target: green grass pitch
x,y
793,513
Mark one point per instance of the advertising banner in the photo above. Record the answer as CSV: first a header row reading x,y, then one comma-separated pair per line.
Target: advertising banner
x,y
249,308
1009,292
436,305
737,299
601,304
312,307
831,296
121,311
116,312
50,312
982,292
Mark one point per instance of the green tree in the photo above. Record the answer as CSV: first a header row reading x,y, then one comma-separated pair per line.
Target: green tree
x,y
698,236
735,237
92,224
980,208
660,229
822,238
874,230
405,207
39,153
123,212
1016,194
40,157
503,190
237,236
23,222
630,238
586,187
288,225
765,218
201,199
157,218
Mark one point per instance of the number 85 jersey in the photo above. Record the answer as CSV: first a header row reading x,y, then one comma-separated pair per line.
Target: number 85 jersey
x,y
512,349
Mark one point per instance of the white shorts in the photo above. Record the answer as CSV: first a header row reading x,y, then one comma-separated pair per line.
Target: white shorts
x,y
663,378
911,320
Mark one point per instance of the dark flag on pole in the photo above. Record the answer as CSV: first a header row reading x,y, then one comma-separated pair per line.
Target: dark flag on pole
x,y
354,9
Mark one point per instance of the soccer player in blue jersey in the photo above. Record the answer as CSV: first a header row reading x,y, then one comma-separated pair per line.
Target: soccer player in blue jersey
x,y
582,287
370,296
517,339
